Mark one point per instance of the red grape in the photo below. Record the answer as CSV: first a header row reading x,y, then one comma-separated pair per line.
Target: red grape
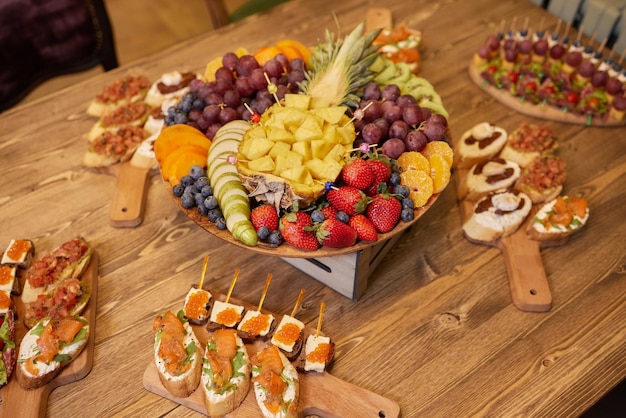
x,y
412,114
398,129
434,131
371,91
393,147
390,92
372,133
230,60
415,141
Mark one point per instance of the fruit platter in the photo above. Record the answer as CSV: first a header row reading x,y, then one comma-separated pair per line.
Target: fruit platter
x,y
552,76
303,152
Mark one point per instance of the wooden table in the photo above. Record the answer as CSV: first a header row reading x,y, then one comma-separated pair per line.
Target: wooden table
x,y
436,330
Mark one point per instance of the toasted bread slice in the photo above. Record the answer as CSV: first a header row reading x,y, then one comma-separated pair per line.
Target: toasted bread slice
x,y
542,179
224,392
483,142
177,354
172,85
114,146
271,366
497,215
488,176
558,219
119,92
33,367
133,113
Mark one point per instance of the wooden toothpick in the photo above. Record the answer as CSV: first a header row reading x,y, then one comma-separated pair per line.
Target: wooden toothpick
x,y
267,285
206,262
319,320
297,305
232,285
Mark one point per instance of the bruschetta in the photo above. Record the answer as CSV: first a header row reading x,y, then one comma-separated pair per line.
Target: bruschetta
x,y
121,91
69,297
196,307
177,354
8,353
69,260
225,372
528,142
19,253
48,347
276,384
133,113
488,176
483,142
111,147
497,215
542,179
289,336
559,218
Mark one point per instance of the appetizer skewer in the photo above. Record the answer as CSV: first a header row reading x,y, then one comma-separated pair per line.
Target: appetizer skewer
x,y
255,323
288,335
197,301
318,349
225,313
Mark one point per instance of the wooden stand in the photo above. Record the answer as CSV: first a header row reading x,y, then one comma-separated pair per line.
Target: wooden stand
x,y
347,274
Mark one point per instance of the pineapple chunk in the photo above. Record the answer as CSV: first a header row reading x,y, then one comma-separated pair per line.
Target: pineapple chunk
x,y
320,148
279,148
336,153
302,148
324,170
256,148
280,134
309,130
330,134
299,174
332,114
298,101
264,164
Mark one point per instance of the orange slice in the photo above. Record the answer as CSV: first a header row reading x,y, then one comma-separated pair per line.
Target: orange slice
x,y
173,160
413,160
266,53
420,185
440,172
441,148
175,136
302,50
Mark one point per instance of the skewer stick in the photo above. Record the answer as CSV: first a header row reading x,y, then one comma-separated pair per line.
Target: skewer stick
x,y
206,262
319,320
267,285
602,45
298,301
232,285
622,57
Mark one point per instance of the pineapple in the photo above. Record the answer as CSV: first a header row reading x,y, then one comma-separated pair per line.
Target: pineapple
x,y
308,137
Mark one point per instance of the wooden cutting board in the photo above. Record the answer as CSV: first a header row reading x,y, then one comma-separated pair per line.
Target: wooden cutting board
x,y
320,394
20,403
546,112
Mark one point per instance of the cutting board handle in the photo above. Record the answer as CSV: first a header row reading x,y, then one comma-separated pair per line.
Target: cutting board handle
x,y
128,203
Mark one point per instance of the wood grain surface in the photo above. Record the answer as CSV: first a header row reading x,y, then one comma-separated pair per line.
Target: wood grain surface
x,y
436,330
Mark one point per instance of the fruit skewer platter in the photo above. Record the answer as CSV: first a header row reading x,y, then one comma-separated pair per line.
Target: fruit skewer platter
x,y
552,76
307,152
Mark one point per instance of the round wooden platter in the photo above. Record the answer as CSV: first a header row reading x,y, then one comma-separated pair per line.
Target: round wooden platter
x,y
286,250
540,111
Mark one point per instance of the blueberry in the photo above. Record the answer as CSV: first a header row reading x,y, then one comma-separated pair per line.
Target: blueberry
x,y
402,190
343,217
214,214
207,191
178,190
199,199
317,216
407,215
191,189
187,200
202,210
263,232
186,181
394,178
395,168
408,203
188,96
185,105
275,238
195,172
210,202
201,182
168,121
180,118
198,104
171,111
220,223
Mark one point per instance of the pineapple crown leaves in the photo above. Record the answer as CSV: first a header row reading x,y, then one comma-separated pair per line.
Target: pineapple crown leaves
x,y
339,68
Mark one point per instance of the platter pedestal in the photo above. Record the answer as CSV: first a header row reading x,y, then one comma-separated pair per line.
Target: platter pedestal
x,y
346,274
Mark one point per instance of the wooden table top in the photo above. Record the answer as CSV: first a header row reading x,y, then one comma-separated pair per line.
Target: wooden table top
x,y
435,331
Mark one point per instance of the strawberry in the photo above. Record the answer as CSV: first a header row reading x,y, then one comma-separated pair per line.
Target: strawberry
x,y
264,215
297,230
335,234
357,173
384,212
329,212
382,173
365,229
348,199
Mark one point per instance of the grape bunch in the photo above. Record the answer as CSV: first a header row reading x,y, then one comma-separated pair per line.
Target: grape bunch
x,y
240,85
395,122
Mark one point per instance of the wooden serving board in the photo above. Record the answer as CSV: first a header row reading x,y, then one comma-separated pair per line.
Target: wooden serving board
x,y
528,282
20,403
320,393
546,112
129,198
